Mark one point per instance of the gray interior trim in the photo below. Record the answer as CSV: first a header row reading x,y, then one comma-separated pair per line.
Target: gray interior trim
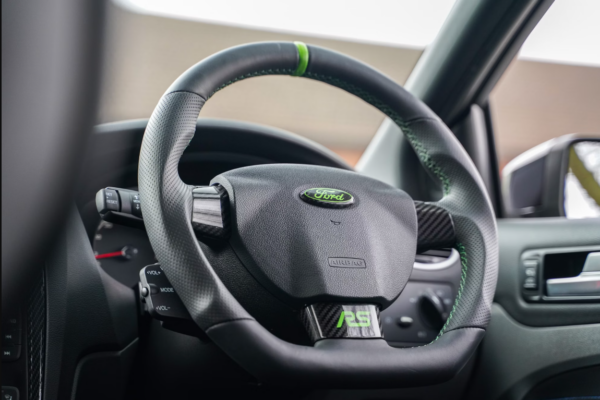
x,y
473,48
87,310
515,357
519,235
391,159
50,69
472,134
381,157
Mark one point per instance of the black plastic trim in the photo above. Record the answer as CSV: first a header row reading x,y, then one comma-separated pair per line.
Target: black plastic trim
x,y
104,375
470,53
87,310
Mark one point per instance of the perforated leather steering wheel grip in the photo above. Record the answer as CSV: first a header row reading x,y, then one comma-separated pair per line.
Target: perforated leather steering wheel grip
x,y
167,206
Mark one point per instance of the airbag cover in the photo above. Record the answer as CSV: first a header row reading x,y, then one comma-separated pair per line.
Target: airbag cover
x,y
304,253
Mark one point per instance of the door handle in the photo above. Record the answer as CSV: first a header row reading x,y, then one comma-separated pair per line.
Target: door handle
x,y
585,284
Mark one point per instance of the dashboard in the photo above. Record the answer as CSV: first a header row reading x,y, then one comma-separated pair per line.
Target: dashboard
x,y
543,339
122,251
220,145
416,317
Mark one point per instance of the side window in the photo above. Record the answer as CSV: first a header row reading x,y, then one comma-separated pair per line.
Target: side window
x,y
582,182
550,90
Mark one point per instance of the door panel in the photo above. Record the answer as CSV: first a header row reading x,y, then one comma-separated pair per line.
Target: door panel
x,y
529,342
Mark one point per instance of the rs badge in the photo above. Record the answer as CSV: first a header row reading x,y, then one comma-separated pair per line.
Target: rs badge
x,y
330,321
361,318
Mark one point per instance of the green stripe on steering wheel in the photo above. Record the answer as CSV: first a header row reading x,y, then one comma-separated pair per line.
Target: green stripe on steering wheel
x,y
302,59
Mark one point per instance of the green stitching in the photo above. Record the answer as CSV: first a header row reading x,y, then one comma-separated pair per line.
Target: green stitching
x,y
425,157
463,277
421,151
276,71
384,108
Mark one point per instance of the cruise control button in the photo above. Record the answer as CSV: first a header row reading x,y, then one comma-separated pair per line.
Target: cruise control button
x,y
136,205
111,200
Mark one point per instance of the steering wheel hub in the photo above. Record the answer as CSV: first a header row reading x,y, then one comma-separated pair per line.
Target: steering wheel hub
x,y
362,253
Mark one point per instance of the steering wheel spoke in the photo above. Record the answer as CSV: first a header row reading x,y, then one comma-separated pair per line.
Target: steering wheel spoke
x,y
436,227
210,215
339,321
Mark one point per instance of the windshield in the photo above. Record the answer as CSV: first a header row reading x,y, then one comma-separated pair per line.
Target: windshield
x,y
151,42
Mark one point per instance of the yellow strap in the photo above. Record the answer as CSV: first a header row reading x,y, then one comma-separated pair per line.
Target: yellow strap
x,y
585,177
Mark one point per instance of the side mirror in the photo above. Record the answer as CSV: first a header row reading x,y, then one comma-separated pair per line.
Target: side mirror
x,y
560,177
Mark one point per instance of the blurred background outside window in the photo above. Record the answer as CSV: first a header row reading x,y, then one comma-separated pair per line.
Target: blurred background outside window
x,y
551,89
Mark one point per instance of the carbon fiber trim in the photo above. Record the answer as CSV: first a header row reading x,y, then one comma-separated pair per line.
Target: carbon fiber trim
x,y
436,229
211,215
36,340
336,321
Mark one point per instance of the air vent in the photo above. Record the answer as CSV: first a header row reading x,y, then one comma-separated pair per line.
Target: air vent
x,y
436,259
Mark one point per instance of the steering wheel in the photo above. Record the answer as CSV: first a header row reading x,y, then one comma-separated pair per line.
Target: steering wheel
x,y
333,244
